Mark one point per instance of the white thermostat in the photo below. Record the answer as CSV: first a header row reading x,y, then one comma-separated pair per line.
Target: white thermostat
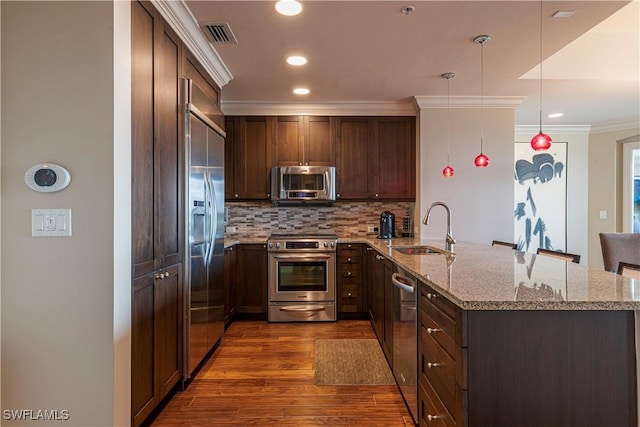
x,y
47,177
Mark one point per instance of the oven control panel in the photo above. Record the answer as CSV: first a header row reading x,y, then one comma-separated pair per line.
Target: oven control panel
x,y
302,245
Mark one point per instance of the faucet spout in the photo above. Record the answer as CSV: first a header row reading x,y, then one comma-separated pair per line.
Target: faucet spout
x,y
449,241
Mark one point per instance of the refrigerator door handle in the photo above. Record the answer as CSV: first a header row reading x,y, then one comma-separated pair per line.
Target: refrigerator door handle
x,y
213,217
207,204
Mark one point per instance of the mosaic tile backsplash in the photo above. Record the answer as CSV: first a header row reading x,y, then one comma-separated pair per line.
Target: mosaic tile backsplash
x,y
346,219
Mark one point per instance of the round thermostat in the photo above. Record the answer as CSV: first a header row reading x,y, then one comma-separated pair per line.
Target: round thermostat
x,y
47,177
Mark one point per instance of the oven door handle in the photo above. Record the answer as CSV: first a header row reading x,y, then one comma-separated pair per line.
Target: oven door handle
x,y
302,308
301,258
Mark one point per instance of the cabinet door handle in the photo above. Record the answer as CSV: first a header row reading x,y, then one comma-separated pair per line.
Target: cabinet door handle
x,y
348,273
431,331
431,296
349,295
369,249
433,417
235,195
433,365
381,257
348,259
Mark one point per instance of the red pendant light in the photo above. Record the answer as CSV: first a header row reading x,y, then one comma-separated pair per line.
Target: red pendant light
x,y
447,172
481,160
541,141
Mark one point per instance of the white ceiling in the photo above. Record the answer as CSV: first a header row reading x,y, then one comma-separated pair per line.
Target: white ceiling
x,y
369,51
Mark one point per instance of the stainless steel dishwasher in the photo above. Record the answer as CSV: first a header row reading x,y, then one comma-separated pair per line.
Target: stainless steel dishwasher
x,y
405,339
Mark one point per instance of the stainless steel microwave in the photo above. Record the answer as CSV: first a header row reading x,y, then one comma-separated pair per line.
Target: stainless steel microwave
x,y
303,185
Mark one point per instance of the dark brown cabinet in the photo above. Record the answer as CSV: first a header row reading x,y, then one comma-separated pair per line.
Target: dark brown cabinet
x,y
248,157
157,234
380,298
349,279
524,367
303,140
375,158
251,279
230,290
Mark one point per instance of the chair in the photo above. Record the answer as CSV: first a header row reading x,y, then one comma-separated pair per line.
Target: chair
x,y
562,255
506,244
619,247
629,270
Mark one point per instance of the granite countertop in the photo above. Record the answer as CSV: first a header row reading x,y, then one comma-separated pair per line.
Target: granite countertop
x,y
483,277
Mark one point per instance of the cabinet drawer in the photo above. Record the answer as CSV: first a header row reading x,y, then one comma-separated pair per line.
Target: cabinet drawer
x,y
431,330
433,298
350,249
435,317
350,271
439,370
355,259
431,411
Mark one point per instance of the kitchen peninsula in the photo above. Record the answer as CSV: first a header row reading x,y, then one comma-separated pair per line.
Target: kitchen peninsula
x,y
513,338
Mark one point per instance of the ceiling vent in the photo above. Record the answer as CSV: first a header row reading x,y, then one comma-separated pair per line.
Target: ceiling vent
x,y
219,33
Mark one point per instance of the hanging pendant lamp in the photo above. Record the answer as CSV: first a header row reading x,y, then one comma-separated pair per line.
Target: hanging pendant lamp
x,y
448,170
541,141
481,160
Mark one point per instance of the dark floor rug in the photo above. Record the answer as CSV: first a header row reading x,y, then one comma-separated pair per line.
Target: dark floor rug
x,y
351,362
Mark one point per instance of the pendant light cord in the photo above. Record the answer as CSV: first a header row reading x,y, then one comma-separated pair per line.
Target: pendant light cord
x,y
448,120
540,66
481,94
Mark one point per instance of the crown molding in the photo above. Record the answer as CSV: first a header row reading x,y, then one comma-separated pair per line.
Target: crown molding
x,y
346,108
615,126
185,25
469,101
553,130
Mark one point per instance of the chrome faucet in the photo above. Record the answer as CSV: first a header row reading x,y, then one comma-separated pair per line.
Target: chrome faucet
x,y
449,241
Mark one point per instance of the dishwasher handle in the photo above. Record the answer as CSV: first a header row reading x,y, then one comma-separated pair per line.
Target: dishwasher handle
x,y
397,280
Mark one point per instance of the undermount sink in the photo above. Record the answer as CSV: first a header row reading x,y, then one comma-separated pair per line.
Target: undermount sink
x,y
418,250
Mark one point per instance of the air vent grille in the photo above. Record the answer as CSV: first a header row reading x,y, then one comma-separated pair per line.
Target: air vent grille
x,y
219,33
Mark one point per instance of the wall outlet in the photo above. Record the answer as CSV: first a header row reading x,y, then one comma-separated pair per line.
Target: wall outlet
x,y
372,229
231,229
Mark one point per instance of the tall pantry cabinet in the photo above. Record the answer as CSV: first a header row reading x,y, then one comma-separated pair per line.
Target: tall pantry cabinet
x,y
157,234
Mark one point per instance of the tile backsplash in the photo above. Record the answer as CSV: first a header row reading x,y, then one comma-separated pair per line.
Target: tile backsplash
x,y
346,219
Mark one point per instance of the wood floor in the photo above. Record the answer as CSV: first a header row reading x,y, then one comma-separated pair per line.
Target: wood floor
x,y
262,374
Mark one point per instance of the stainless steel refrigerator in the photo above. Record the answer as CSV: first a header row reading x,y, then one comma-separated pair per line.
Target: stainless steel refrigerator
x,y
204,252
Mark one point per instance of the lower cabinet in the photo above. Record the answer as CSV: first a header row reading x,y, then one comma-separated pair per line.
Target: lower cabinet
x,y
524,367
251,275
230,289
156,338
380,298
349,280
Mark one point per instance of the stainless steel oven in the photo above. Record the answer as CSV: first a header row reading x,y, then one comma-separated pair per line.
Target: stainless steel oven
x,y
302,278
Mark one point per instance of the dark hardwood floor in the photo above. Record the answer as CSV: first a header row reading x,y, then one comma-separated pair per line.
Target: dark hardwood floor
x,y
262,374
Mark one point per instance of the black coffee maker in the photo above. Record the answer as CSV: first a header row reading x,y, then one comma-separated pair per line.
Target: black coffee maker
x,y
387,228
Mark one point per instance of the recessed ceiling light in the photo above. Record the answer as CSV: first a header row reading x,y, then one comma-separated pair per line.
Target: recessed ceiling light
x,y
296,60
564,14
555,115
301,91
288,7
408,10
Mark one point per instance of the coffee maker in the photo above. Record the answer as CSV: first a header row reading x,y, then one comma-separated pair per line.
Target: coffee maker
x,y
387,228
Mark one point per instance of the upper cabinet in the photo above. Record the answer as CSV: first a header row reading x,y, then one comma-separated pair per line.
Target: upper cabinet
x,y
248,157
374,156
303,140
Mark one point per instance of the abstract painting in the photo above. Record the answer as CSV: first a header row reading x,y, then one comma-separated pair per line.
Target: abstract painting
x,y
540,190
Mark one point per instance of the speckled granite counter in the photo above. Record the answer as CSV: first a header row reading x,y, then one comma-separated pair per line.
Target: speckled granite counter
x,y
482,277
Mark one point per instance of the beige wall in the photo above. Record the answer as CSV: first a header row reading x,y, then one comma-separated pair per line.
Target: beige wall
x,y
605,187
481,199
58,293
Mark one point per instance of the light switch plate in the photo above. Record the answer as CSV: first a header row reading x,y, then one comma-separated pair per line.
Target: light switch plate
x,y
603,214
50,222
